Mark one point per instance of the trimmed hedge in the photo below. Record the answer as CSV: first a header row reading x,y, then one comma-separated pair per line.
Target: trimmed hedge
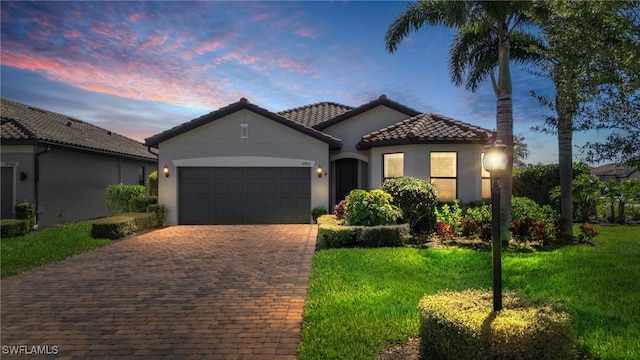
x,y
417,199
119,195
160,211
463,325
331,234
13,227
383,236
119,226
26,211
139,204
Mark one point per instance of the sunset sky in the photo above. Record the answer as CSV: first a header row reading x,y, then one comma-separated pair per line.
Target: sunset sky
x,y
139,68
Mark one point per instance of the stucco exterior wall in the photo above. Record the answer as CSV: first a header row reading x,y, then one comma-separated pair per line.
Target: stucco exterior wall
x,y
72,184
350,131
20,159
218,143
417,164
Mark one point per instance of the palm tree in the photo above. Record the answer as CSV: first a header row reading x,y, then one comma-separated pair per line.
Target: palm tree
x,y
487,37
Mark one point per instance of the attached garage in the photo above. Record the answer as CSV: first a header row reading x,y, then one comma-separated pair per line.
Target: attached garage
x,y
244,195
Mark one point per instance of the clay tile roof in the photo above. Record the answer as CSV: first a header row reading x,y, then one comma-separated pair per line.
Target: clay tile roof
x,y
314,114
230,109
425,128
24,124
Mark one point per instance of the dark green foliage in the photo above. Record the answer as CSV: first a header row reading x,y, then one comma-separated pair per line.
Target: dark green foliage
x,y
153,183
143,220
332,234
462,325
118,197
383,236
318,211
114,227
160,211
336,236
417,199
139,204
370,208
26,211
119,226
13,227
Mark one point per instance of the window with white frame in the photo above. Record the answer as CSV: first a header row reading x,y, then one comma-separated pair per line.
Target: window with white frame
x,y
244,131
444,174
486,180
393,165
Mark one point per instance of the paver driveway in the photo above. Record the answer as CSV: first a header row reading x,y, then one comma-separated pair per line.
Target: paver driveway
x,y
201,292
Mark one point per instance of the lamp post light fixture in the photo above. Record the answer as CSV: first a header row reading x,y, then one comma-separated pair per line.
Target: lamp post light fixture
x,y
495,162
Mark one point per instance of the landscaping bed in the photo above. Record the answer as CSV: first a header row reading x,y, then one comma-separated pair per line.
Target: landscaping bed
x,y
363,301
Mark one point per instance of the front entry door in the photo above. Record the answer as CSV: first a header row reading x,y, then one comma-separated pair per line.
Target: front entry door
x,y
346,177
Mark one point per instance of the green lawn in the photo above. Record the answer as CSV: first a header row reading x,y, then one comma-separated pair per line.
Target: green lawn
x,y
363,300
22,253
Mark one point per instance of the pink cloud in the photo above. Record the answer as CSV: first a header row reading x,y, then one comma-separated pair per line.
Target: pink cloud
x,y
209,46
306,32
72,34
292,64
136,16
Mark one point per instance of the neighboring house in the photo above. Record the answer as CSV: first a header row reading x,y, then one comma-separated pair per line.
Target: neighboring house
x,y
63,165
615,172
245,164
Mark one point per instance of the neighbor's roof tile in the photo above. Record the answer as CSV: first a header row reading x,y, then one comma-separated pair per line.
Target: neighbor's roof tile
x,y
22,123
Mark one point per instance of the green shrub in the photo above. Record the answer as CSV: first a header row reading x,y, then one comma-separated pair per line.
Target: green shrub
x,y
450,215
26,211
13,227
463,325
371,208
114,227
139,204
153,183
383,236
318,211
329,220
143,220
417,199
160,211
336,236
523,208
118,197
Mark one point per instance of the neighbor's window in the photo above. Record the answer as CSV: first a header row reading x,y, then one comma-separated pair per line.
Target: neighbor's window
x,y
141,175
486,180
244,131
444,173
393,165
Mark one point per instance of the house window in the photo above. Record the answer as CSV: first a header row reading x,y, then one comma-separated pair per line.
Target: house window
x,y
244,131
393,165
141,175
444,173
486,180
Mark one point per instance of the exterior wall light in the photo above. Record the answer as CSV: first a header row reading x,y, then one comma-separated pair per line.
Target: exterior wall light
x,y
495,162
319,170
165,170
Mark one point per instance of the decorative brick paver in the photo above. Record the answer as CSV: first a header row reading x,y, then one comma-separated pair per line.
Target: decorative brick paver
x,y
183,292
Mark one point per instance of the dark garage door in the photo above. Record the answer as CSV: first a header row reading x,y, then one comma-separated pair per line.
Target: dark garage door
x,y
253,195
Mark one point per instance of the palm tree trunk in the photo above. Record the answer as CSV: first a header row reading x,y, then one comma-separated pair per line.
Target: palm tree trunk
x,y
565,163
504,127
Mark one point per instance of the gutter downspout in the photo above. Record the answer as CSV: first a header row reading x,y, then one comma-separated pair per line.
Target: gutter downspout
x,y
36,163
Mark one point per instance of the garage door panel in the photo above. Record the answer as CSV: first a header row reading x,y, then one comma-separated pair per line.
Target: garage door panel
x,y
232,195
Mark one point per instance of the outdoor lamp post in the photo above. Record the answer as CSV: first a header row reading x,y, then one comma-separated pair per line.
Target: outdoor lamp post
x,y
495,161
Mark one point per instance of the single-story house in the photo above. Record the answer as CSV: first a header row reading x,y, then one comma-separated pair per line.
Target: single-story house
x,y
245,164
615,172
63,165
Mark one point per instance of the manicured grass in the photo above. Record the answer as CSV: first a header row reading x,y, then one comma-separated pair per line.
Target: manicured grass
x,y
22,253
361,301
